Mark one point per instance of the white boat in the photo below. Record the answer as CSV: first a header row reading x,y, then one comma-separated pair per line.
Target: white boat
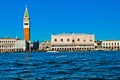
x,y
52,51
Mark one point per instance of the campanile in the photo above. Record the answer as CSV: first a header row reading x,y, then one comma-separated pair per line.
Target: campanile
x,y
26,25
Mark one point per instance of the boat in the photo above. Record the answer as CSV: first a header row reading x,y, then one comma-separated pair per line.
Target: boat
x,y
52,51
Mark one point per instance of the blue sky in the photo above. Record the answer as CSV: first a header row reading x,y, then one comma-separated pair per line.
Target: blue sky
x,y
99,17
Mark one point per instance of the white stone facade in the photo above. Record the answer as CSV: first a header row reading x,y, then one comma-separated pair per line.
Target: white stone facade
x,y
74,42
20,44
111,45
12,45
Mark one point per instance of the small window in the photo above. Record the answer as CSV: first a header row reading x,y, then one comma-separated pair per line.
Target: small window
x,y
84,40
55,40
68,40
106,43
90,40
73,40
61,40
78,39
117,43
25,23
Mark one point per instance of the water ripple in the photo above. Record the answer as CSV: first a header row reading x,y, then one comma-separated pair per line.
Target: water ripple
x,y
60,66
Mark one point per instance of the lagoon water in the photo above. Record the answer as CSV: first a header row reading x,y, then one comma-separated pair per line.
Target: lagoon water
x,y
60,66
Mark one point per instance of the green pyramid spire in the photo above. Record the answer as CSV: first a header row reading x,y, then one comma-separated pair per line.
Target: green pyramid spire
x,y
26,12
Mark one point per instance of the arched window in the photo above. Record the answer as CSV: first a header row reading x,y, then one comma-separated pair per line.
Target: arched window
x,y
61,40
73,40
68,40
112,43
55,40
78,39
106,43
90,40
117,43
84,40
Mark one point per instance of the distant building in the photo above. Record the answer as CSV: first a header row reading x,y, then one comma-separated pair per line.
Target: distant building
x,y
98,45
41,47
34,46
12,45
111,45
45,46
72,42
26,24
